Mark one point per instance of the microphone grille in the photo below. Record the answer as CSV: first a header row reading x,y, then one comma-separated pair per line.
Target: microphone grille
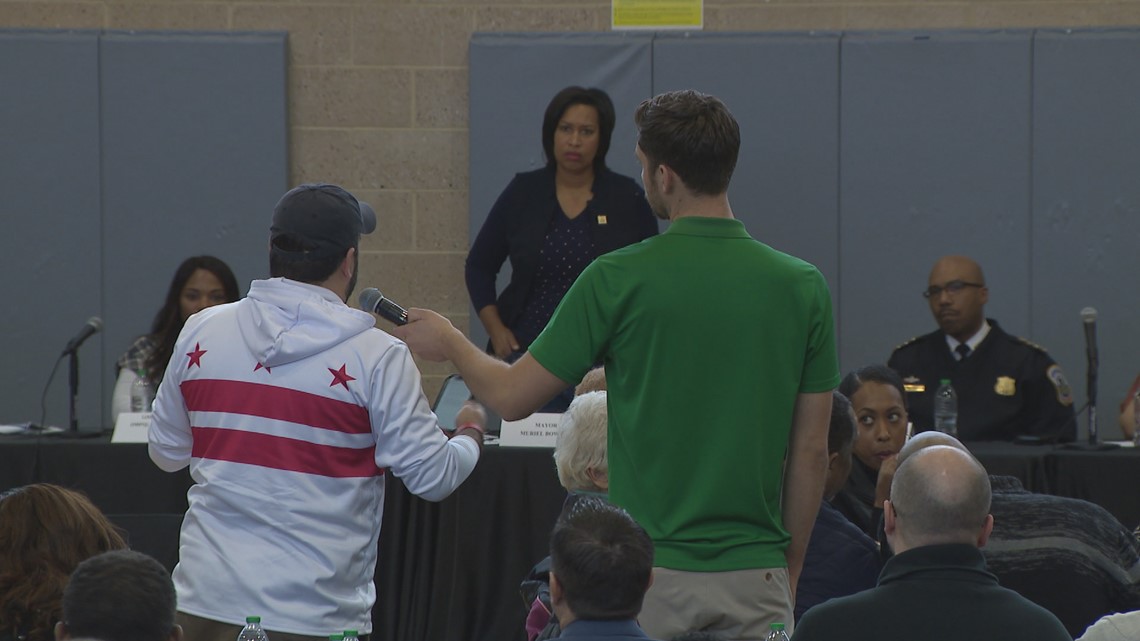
x,y
370,298
1088,314
96,323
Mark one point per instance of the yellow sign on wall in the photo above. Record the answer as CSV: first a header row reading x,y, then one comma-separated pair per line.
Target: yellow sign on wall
x,y
658,14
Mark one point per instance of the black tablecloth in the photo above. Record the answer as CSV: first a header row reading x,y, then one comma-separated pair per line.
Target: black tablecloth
x,y
450,570
1110,478
141,499
447,570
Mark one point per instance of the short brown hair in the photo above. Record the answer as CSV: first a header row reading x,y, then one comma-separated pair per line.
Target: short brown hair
x,y
693,134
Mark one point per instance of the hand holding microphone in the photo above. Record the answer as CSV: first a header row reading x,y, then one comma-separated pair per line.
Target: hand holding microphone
x,y
428,334
371,300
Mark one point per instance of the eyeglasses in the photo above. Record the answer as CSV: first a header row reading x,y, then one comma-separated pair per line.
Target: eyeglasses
x,y
953,287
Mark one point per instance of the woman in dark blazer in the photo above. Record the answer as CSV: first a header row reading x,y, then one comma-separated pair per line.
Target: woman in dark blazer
x,y
552,222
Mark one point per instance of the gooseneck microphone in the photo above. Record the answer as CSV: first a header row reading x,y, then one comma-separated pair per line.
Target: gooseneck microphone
x,y
1088,318
371,300
93,326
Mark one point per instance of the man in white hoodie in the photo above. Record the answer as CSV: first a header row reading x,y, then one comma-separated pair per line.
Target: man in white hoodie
x,y
290,407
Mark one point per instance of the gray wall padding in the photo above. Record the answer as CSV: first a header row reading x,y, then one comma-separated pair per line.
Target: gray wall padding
x,y
126,153
786,102
1085,241
49,177
935,141
871,154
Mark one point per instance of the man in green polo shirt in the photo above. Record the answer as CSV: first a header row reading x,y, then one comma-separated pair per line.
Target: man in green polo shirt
x,y
720,361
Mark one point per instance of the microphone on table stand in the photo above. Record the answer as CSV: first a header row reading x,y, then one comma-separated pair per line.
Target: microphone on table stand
x,y
1088,319
93,326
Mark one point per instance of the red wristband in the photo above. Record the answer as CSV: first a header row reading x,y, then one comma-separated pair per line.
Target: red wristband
x,y
470,426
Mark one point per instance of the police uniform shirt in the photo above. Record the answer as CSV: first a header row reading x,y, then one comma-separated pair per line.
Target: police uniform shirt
x,y
1007,387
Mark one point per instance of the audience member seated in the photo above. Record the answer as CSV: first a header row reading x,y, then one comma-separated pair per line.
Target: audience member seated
x,y
1128,410
1067,555
198,283
936,587
580,457
593,381
1114,627
45,532
1007,386
601,566
119,596
877,396
841,559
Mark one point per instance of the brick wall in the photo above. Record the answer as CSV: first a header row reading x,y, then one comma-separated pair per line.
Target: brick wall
x,y
378,93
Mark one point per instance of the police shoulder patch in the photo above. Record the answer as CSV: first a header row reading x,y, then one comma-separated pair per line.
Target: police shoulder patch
x,y
907,343
1026,341
1057,378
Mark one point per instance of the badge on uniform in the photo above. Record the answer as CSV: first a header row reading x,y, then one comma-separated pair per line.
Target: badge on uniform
x,y
602,220
1057,378
913,385
1005,386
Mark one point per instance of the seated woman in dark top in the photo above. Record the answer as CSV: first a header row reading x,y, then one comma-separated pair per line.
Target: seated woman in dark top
x,y
877,396
552,222
198,283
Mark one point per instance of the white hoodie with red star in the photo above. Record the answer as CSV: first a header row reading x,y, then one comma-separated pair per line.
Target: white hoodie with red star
x,y
289,406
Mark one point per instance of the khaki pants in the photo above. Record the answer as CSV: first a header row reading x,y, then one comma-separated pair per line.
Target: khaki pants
x,y
199,629
738,605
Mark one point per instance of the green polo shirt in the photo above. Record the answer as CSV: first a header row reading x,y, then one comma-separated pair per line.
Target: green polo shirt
x,y
707,336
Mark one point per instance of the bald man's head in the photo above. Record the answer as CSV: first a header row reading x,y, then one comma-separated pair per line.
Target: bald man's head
x,y
940,494
961,266
957,294
928,439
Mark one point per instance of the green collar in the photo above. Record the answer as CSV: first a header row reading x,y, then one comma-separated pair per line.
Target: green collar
x,y
704,226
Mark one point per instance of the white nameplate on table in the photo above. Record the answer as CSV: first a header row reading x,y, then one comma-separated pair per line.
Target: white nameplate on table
x,y
131,427
536,430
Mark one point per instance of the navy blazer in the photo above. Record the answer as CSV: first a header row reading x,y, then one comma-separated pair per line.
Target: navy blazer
x,y
517,224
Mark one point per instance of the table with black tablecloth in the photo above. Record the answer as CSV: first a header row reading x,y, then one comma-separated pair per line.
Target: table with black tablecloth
x,y
118,478
447,570
450,571
1109,478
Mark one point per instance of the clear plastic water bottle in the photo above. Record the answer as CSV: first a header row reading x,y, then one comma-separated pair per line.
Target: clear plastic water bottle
x,y
776,632
142,393
252,630
946,408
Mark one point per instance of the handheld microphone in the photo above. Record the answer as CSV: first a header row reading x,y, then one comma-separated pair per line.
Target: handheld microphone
x,y
93,326
371,300
1088,317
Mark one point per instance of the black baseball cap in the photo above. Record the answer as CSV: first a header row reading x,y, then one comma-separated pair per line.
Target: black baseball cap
x,y
324,216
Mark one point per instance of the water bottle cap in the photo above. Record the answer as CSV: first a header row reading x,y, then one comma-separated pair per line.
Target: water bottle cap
x,y
336,637
350,633
777,626
945,381
253,619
